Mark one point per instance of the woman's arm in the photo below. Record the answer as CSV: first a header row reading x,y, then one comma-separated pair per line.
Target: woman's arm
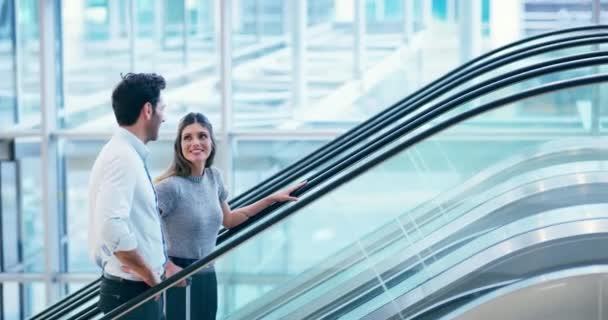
x,y
233,218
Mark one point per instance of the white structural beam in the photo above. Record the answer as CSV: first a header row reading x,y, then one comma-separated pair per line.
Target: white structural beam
x,y
185,30
17,59
427,13
299,18
132,35
470,29
408,20
505,21
380,10
224,39
451,10
48,147
597,100
114,19
200,20
596,11
359,58
159,31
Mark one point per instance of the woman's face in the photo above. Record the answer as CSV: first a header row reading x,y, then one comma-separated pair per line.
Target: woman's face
x,y
196,143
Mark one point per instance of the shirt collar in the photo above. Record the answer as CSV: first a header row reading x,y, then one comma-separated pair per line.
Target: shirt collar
x,y
134,141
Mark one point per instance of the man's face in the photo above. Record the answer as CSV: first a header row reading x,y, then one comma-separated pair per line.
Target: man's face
x,y
157,118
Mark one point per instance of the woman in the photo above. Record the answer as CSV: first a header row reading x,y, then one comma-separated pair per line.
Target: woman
x,y
192,200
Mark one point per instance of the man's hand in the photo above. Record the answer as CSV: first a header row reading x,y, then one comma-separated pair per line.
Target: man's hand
x,y
134,264
150,280
171,269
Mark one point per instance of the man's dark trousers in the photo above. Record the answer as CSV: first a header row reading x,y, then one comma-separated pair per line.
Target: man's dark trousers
x,y
115,291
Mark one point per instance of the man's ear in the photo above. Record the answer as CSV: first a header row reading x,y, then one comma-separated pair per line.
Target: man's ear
x,y
147,111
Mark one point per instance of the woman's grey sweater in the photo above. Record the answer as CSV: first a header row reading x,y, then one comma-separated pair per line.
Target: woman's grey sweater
x,y
191,213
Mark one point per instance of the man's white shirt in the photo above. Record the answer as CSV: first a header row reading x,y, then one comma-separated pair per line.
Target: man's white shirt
x,y
123,213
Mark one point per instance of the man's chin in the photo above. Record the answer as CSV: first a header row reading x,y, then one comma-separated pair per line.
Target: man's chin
x,y
153,137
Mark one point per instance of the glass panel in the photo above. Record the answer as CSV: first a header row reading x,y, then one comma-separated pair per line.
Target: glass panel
x,y
80,156
260,91
569,110
34,298
93,32
553,114
255,161
28,63
73,287
10,216
286,80
101,31
32,222
11,300
393,69
353,223
543,16
181,35
599,98
8,90
556,113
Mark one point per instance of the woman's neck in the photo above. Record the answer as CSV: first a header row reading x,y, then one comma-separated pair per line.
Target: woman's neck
x,y
198,169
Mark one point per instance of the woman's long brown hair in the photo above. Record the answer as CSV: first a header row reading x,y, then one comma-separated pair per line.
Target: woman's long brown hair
x,y
180,166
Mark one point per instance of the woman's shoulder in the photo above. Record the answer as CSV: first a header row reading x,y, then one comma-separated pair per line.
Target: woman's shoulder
x,y
169,183
215,172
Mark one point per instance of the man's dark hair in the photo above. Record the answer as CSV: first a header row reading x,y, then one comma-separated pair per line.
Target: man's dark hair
x,y
132,92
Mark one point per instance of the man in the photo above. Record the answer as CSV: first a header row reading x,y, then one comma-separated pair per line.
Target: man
x,y
125,236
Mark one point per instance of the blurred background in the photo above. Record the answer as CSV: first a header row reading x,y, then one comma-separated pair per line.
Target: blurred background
x,y
277,79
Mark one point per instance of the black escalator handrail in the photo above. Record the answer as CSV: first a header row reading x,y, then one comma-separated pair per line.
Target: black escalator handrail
x,y
87,313
469,294
68,301
77,304
587,40
454,101
225,236
402,110
328,187
248,195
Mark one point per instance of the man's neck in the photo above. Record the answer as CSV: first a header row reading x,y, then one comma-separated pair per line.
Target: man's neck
x,y
138,132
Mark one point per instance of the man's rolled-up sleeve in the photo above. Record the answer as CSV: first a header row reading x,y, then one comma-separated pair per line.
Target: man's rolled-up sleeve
x,y
114,203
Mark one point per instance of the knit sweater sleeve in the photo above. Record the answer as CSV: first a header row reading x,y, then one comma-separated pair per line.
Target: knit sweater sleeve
x,y
167,193
221,189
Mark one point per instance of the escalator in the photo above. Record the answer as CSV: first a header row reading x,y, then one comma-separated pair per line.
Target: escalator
x,y
498,205
355,265
576,293
553,241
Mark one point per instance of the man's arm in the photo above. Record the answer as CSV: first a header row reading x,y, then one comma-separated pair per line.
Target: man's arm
x,y
136,265
114,204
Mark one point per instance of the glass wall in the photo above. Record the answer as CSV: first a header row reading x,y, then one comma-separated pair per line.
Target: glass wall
x,y
172,38
277,78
